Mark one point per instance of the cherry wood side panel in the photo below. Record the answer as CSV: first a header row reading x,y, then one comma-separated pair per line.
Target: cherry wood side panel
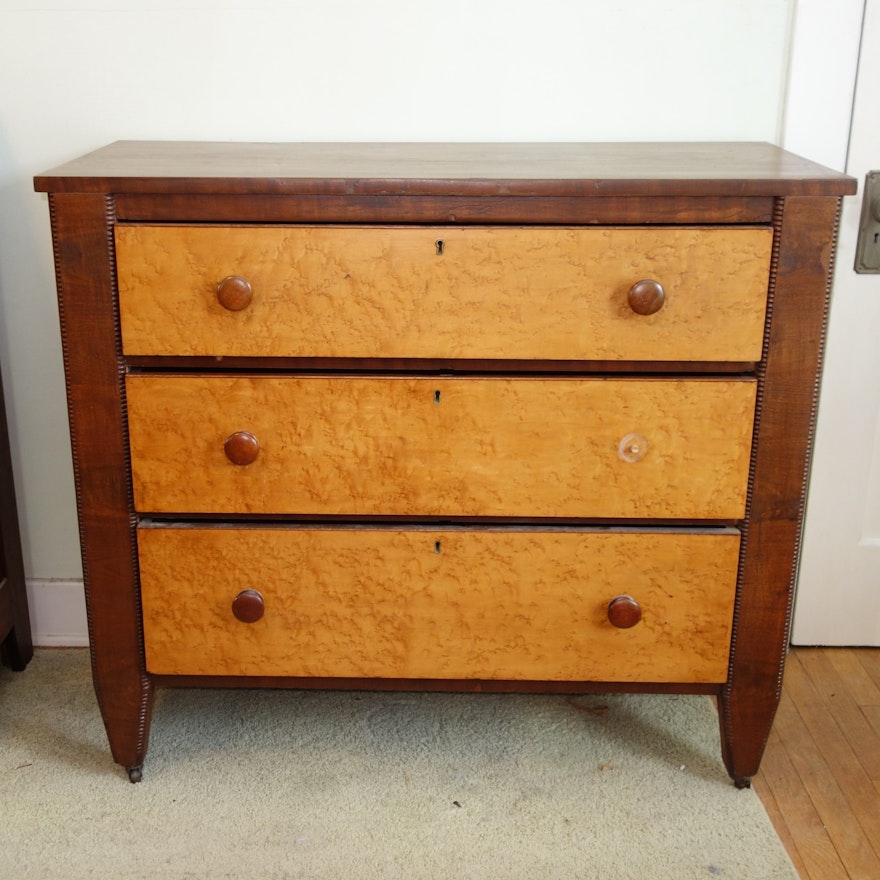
x,y
444,292
783,443
469,603
82,232
435,446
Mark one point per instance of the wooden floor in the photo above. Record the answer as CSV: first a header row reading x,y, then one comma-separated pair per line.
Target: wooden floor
x,y
820,776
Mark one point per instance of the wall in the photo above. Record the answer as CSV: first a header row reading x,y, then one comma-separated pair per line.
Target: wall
x,y
74,78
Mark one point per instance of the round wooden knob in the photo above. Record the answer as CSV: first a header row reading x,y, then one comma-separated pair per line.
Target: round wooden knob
x,y
646,297
241,447
624,612
248,606
235,293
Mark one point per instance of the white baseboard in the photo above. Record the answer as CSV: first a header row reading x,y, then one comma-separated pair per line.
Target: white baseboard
x,y
58,614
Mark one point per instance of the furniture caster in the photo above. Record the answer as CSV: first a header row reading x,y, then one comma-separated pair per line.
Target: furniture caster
x,y
742,781
135,774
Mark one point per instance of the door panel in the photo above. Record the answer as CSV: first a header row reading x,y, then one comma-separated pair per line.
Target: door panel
x,y
838,600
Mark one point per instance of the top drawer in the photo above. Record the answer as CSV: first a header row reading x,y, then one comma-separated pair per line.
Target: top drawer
x,y
533,293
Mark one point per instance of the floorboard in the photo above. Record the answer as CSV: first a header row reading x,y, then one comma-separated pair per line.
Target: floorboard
x,y
820,777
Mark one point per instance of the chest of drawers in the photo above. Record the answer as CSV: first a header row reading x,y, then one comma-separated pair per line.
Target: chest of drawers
x,y
477,417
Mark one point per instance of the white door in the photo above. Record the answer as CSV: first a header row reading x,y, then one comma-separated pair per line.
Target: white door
x,y
838,599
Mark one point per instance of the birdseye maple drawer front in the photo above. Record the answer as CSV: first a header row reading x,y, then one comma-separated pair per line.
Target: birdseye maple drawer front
x,y
420,603
395,445
444,292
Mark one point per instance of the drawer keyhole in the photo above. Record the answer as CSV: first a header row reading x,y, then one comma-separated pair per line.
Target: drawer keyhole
x,y
436,397
439,244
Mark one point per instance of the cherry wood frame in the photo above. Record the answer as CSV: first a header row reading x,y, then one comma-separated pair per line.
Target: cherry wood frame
x,y
456,184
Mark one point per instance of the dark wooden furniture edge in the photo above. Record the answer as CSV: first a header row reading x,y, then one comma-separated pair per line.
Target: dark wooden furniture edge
x,y
446,169
82,230
16,644
441,210
413,366
434,685
800,286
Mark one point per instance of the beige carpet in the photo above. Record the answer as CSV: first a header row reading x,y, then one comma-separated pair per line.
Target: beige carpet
x,y
276,784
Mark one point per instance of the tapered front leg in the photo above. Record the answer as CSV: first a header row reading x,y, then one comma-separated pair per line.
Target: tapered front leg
x,y
788,382
82,228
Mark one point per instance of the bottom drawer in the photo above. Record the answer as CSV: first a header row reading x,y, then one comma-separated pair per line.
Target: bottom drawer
x,y
451,603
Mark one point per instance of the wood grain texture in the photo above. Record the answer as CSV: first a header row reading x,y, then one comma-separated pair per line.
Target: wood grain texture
x,y
494,292
793,812
788,392
490,604
590,210
449,187
437,446
444,169
81,228
821,765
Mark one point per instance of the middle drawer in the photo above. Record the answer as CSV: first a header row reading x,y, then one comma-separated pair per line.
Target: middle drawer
x,y
429,446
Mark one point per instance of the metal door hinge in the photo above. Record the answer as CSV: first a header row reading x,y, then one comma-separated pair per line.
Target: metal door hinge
x,y
868,247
